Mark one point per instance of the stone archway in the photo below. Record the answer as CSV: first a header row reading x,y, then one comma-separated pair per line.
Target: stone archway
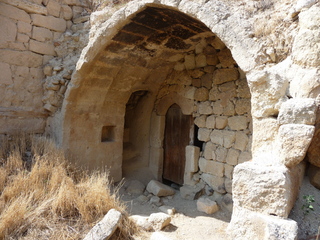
x,y
173,58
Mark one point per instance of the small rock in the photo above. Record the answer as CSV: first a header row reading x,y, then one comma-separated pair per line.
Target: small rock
x,y
207,206
159,189
192,192
135,187
168,210
141,222
156,201
159,220
227,202
143,199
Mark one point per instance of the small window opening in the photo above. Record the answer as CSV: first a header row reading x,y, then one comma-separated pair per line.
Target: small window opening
x,y
107,134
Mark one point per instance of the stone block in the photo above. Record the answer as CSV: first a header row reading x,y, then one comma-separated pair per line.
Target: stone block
x,y
24,27
50,22
159,220
209,69
208,150
22,38
228,138
225,75
211,122
238,123
76,11
270,190
216,183
159,189
192,192
206,205
41,34
201,94
204,134
179,67
201,121
227,86
232,156
196,82
298,111
141,222
192,156
190,62
106,227
6,75
243,106
189,92
212,167
196,73
314,175
243,89
14,13
221,122
53,8
216,137
228,185
228,171
205,108
212,60
201,60
216,43
265,134
20,58
226,58
244,157
206,80
293,142
66,12
214,93
8,30
221,154
217,108
246,224
27,6
241,141
42,48
228,109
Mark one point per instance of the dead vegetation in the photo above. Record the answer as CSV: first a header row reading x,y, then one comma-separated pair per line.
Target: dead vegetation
x,y
42,197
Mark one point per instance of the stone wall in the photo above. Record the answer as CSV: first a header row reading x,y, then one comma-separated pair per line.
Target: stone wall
x,y
30,31
210,77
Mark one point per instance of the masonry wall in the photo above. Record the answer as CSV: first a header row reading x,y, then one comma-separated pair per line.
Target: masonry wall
x,y
30,31
209,76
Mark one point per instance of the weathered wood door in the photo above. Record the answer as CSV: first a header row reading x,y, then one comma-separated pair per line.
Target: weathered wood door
x,y
176,138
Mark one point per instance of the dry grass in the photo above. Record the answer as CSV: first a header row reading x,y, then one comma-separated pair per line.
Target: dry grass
x,y
42,197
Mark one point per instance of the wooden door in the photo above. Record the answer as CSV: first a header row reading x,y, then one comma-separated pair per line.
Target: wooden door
x,y
176,138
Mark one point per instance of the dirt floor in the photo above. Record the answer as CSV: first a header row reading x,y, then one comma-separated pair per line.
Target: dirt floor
x,y
190,224
187,223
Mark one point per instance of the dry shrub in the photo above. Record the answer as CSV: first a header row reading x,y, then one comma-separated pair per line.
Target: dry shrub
x,y
42,197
